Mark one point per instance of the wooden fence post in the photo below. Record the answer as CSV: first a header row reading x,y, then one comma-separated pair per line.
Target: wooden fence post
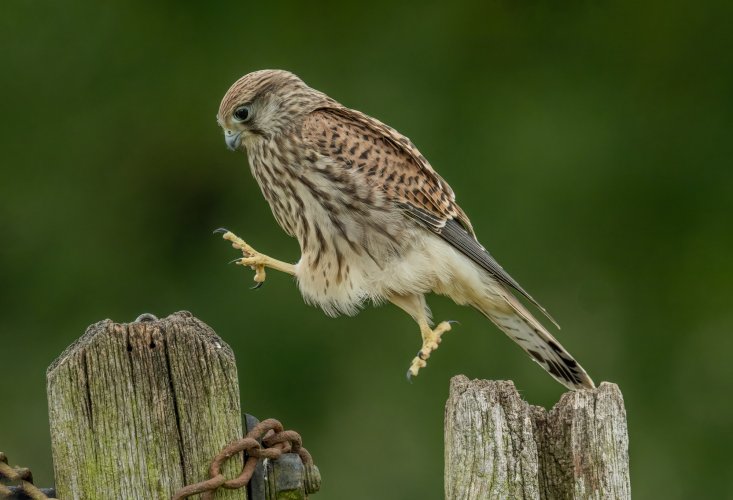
x,y
138,410
498,446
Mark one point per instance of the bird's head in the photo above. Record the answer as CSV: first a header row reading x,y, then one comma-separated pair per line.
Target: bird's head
x,y
263,104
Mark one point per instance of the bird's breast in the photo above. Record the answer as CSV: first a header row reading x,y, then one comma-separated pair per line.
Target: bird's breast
x,y
346,228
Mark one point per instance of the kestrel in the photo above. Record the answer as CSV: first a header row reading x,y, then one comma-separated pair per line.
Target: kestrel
x,y
374,221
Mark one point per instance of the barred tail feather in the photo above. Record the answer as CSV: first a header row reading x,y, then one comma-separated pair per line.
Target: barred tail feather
x,y
542,347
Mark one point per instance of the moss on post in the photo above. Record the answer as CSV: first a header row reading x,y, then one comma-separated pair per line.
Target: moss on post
x,y
138,410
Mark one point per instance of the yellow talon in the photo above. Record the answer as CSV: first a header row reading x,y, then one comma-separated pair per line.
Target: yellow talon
x,y
257,264
255,260
431,339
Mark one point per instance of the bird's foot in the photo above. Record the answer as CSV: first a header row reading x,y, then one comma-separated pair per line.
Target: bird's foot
x,y
430,341
254,259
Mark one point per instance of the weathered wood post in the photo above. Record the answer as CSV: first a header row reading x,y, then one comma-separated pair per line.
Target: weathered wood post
x,y
498,446
138,410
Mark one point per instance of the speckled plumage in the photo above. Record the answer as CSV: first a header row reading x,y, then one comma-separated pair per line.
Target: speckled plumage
x,y
374,221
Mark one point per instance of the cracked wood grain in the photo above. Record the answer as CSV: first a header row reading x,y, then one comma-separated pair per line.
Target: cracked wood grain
x,y
499,446
138,410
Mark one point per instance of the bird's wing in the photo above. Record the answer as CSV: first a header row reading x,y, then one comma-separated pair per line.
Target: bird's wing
x,y
389,159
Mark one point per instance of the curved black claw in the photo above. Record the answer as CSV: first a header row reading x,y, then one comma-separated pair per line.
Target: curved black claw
x,y
453,322
409,376
221,230
257,285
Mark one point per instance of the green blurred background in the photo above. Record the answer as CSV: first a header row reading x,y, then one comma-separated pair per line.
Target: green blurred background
x,y
589,142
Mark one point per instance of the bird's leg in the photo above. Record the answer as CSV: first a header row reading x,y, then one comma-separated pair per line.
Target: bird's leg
x,y
257,261
430,340
415,306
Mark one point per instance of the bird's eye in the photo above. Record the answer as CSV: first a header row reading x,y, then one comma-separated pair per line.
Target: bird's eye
x,y
241,114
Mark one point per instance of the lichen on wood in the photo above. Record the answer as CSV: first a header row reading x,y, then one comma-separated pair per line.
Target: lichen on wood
x,y
138,410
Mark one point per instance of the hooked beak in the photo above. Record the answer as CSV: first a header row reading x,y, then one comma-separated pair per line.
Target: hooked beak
x,y
233,139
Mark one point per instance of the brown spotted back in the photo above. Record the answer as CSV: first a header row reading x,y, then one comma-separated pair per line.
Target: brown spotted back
x,y
385,158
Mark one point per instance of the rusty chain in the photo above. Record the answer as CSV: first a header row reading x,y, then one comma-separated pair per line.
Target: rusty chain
x,y
20,475
276,441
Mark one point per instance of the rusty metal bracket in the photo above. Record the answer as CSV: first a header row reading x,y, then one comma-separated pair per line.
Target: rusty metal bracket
x,y
286,478
284,469
18,493
24,477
